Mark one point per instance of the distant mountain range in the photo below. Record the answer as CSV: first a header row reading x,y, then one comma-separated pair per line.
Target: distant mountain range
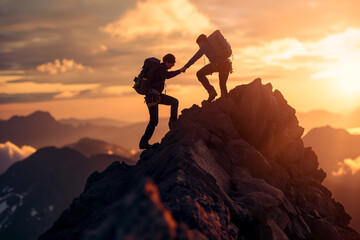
x,y
34,192
40,129
33,129
333,146
89,147
94,121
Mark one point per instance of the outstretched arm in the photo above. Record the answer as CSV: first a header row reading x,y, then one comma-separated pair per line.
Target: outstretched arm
x,y
172,74
197,55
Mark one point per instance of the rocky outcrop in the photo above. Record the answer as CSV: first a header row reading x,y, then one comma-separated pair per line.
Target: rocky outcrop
x,y
337,151
235,168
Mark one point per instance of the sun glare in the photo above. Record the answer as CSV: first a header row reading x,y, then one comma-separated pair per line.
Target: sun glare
x,y
343,76
347,77
343,71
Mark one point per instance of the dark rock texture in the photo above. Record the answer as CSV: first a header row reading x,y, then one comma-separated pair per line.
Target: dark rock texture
x,y
333,147
235,168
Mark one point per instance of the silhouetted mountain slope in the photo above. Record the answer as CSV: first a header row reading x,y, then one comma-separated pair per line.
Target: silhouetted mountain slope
x,y
39,129
30,130
332,147
89,147
232,169
10,153
35,191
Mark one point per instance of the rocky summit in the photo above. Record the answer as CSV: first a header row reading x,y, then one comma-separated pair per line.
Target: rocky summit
x,y
235,168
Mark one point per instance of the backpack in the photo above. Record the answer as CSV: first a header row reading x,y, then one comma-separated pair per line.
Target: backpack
x,y
143,82
219,44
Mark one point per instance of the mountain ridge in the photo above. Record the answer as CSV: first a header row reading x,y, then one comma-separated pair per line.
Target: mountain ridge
x,y
89,147
235,168
38,129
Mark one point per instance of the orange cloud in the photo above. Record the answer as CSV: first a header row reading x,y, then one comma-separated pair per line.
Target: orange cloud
x,y
31,87
336,48
66,94
62,66
347,166
354,165
10,153
159,17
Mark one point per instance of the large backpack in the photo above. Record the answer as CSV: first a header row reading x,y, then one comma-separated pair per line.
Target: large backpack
x,y
219,44
142,83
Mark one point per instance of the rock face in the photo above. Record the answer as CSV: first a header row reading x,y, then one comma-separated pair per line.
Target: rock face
x,y
235,168
35,191
333,147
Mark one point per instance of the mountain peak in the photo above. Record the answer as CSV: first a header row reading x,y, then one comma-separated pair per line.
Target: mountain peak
x,y
259,115
36,116
42,116
235,168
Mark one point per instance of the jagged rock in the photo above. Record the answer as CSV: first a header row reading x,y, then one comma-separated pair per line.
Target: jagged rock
x,y
131,218
235,168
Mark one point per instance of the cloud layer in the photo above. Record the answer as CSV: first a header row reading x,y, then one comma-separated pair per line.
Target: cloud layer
x,y
348,166
10,153
153,18
62,66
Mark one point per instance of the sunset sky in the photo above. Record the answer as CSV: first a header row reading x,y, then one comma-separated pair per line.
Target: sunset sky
x,y
78,58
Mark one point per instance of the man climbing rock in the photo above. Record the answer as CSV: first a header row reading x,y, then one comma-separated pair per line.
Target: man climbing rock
x,y
155,97
218,51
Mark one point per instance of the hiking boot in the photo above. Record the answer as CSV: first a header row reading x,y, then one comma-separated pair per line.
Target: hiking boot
x,y
212,95
224,94
148,146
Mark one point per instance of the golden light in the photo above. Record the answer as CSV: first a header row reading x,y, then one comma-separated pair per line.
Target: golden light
x,y
165,19
345,77
347,166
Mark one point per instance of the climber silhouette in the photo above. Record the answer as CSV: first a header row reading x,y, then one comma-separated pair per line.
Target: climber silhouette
x,y
218,63
156,97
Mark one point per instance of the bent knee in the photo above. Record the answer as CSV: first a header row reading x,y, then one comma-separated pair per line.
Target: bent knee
x,y
199,74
